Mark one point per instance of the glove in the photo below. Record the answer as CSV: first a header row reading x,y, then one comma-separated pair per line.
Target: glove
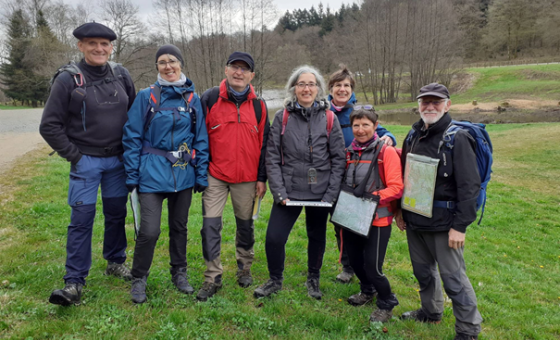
x,y
199,188
131,187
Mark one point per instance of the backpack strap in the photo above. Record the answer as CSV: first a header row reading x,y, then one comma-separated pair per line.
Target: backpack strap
x,y
257,106
330,122
212,98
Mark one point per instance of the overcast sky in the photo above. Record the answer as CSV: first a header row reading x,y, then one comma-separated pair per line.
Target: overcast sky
x,y
282,5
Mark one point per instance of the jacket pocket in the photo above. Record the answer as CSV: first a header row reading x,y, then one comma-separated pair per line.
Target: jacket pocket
x,y
287,175
323,178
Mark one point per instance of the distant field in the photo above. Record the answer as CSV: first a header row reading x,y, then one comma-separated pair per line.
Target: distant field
x,y
494,84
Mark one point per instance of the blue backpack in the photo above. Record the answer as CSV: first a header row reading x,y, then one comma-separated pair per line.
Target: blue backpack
x,y
483,153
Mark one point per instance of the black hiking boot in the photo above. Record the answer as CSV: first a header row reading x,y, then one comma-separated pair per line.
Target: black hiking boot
x,y
461,336
179,279
69,295
420,316
208,290
313,290
345,276
138,290
244,278
118,270
268,288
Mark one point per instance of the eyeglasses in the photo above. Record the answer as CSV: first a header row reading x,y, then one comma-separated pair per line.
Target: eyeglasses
x,y
171,63
304,85
364,107
433,102
236,68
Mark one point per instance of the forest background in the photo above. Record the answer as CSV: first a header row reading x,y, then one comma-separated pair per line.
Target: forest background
x,y
393,46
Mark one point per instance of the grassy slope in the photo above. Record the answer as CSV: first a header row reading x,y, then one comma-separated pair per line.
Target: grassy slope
x,y
513,261
499,83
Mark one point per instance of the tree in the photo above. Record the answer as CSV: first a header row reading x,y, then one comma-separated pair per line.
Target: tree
x,y
122,17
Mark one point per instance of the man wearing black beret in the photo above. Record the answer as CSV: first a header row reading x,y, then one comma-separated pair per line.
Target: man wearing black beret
x,y
83,121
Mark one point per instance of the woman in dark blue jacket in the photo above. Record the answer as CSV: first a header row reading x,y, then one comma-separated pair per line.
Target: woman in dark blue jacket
x,y
166,156
342,98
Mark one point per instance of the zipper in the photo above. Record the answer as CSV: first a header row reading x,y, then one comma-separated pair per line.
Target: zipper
x,y
213,127
237,142
173,149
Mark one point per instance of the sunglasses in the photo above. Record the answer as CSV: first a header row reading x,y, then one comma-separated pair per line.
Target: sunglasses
x,y
364,107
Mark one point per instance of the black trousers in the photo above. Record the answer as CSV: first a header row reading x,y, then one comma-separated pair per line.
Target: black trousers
x,y
344,256
366,256
178,204
280,224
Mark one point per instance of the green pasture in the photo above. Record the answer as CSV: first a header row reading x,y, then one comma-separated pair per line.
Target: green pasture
x,y
491,84
513,262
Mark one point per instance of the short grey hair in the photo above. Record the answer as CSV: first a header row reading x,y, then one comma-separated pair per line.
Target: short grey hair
x,y
292,81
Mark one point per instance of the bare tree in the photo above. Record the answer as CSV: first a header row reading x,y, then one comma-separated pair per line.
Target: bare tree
x,y
122,17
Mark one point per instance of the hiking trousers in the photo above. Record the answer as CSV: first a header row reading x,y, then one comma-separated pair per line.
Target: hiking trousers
x,y
280,224
85,179
428,249
214,200
178,204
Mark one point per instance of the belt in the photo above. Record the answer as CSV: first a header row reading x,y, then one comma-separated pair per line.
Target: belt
x,y
99,151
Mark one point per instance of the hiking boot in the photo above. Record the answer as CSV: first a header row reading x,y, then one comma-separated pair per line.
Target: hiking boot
x,y
312,285
179,279
118,270
69,295
381,315
138,290
345,276
461,336
244,278
420,316
208,290
268,288
361,299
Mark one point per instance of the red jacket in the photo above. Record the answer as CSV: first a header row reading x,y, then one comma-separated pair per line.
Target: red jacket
x,y
235,139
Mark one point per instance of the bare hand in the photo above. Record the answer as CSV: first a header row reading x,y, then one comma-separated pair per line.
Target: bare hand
x,y
456,239
261,189
401,224
285,201
388,141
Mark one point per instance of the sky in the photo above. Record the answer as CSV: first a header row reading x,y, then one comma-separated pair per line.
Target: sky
x,y
282,5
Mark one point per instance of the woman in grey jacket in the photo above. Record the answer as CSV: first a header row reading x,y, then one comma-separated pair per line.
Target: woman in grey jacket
x,y
305,162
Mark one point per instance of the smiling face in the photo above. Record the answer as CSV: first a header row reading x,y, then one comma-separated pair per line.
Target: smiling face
x,y
432,109
363,129
306,89
96,50
239,75
169,67
341,92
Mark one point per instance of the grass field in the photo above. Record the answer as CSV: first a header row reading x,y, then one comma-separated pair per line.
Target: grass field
x,y
494,84
513,261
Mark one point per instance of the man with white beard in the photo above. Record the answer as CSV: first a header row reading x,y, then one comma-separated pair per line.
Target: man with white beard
x,y
438,241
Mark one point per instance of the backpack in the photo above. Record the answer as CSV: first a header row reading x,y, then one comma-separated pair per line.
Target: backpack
x,y
286,115
153,107
215,94
78,96
483,153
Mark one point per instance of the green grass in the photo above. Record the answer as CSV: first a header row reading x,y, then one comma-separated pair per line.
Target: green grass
x,y
491,84
513,261
14,107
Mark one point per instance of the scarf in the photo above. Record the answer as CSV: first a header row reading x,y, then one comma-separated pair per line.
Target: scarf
x,y
239,96
357,146
179,82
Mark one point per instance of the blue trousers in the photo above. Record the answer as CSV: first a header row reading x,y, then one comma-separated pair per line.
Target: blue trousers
x,y
85,178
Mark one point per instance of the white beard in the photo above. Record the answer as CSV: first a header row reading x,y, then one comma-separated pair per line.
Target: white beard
x,y
432,119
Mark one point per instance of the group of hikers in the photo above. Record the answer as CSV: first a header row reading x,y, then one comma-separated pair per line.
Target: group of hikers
x,y
166,142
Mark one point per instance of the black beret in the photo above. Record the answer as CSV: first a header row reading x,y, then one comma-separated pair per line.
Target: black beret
x,y
94,30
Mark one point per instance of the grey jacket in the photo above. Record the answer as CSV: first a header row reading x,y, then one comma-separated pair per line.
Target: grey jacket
x,y
289,157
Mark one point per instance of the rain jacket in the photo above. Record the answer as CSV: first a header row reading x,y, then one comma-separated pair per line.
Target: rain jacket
x,y
167,131
289,178
344,120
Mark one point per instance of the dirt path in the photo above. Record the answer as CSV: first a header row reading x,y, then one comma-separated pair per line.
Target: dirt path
x,y
19,134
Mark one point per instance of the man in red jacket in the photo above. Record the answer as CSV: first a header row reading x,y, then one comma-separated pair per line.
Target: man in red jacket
x,y
237,123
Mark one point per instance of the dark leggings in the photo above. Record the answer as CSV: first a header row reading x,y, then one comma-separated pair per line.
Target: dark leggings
x,y
366,258
178,204
280,224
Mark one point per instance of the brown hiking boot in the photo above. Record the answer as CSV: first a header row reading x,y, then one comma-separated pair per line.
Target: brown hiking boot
x,y
244,278
361,299
381,315
420,316
208,290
